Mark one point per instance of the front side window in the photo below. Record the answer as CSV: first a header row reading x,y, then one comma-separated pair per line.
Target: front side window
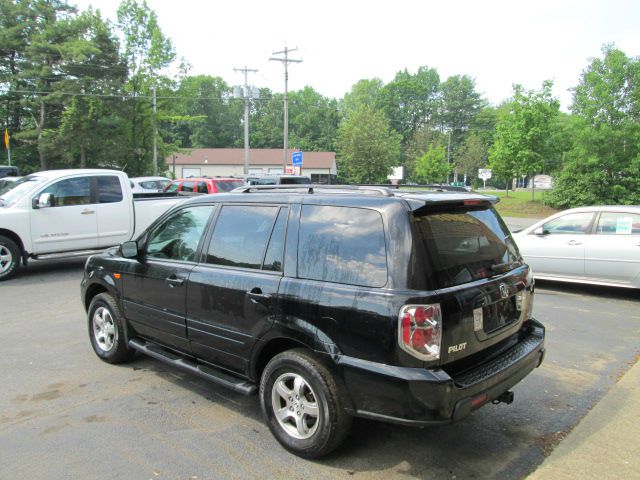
x,y
342,245
71,191
202,187
614,223
573,223
187,186
177,237
241,235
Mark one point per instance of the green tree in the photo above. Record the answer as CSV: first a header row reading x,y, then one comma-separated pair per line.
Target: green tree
x,y
604,164
522,135
410,100
89,127
433,167
362,93
313,120
367,148
205,116
423,139
146,52
471,157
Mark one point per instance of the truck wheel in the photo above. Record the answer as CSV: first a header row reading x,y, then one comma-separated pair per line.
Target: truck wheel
x,y
9,258
106,330
302,404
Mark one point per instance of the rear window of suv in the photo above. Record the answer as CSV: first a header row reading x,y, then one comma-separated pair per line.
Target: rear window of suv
x,y
463,246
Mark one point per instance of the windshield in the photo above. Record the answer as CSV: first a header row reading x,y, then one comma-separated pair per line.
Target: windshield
x,y
21,187
463,246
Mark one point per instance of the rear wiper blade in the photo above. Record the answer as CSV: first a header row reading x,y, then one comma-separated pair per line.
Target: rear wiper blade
x,y
503,267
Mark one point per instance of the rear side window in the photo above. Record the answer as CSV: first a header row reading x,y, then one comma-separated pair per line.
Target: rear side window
x,y
342,245
463,246
109,189
202,187
614,223
187,186
241,235
227,186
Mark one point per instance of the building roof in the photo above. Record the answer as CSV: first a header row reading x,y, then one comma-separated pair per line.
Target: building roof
x,y
257,156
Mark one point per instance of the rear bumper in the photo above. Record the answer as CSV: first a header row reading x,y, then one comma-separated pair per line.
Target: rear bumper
x,y
420,397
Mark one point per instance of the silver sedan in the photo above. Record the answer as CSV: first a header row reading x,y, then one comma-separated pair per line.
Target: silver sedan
x,y
596,245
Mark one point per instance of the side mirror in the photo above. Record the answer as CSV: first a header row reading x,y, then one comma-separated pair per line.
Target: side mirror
x,y
45,200
540,231
129,249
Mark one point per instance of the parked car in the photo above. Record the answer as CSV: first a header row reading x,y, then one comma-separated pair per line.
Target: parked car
x,y
9,171
279,180
60,213
202,185
7,183
148,184
595,245
331,303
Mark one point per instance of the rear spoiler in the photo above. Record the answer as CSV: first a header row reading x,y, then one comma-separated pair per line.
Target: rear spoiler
x,y
451,202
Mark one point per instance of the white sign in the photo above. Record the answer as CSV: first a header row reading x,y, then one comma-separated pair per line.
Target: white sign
x,y
397,174
484,173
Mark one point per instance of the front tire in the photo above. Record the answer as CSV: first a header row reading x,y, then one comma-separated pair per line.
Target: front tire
x,y
106,330
9,258
302,405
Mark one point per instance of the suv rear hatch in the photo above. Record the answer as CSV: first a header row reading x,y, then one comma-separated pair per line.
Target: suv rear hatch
x,y
473,276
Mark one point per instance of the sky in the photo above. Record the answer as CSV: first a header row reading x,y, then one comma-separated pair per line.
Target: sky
x,y
497,43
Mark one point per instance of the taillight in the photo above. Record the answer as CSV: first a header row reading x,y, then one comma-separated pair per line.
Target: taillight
x,y
420,330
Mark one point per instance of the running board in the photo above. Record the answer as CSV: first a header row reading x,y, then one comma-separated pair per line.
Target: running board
x,y
209,373
51,256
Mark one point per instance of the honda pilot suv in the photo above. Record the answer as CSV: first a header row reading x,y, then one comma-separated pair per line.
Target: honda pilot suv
x,y
411,307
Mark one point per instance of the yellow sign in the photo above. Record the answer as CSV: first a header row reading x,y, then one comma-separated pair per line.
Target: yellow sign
x,y
6,138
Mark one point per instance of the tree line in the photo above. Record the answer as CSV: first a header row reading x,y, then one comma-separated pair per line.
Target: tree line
x,y
77,91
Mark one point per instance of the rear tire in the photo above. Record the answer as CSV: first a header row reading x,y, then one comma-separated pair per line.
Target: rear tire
x,y
106,330
9,258
302,404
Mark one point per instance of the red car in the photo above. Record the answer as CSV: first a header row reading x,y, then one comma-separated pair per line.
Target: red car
x,y
199,185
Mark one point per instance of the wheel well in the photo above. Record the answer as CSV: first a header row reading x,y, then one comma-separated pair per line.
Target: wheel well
x,y
92,291
273,348
9,234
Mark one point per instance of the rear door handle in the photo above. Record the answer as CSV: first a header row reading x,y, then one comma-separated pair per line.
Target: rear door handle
x,y
86,211
174,281
574,242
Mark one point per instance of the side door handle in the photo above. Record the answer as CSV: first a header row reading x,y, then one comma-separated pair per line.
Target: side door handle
x,y
174,281
256,296
574,242
86,211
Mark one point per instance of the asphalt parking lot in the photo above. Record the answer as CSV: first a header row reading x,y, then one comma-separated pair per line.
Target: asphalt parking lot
x,y
66,414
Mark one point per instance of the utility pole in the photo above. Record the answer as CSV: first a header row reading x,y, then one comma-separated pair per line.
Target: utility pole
x,y
155,135
286,61
247,94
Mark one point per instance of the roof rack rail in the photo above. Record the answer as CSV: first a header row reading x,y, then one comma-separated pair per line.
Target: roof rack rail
x,y
313,188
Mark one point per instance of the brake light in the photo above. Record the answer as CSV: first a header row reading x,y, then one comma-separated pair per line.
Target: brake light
x,y
420,330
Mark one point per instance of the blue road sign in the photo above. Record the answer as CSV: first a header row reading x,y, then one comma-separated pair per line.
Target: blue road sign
x,y
296,159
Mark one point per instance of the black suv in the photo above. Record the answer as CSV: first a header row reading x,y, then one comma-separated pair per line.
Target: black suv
x,y
412,307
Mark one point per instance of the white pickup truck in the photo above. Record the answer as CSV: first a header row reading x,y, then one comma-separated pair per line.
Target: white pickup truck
x,y
70,212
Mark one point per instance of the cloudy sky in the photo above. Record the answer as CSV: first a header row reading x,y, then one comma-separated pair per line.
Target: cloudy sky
x,y
496,42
